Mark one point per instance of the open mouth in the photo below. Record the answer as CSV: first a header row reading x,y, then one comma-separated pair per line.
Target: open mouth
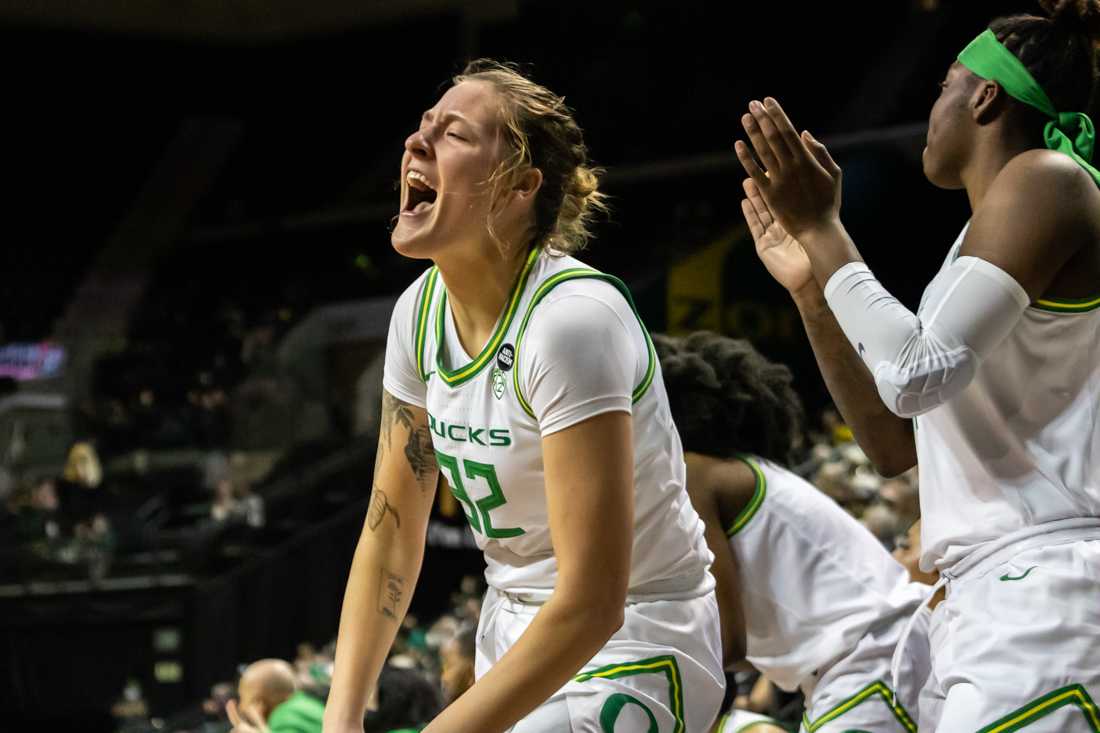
x,y
421,196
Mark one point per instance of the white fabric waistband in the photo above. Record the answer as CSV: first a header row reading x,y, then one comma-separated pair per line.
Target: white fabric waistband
x,y
988,556
672,589
993,553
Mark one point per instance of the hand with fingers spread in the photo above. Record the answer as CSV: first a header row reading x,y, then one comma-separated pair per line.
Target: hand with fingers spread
x,y
800,182
781,253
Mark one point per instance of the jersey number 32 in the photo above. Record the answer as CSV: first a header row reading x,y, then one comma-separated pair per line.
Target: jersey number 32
x,y
477,512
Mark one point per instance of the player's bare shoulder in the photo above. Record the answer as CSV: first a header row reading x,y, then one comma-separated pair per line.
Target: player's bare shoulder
x,y
1039,175
730,482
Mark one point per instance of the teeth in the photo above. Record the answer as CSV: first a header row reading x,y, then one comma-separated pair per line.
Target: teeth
x,y
418,177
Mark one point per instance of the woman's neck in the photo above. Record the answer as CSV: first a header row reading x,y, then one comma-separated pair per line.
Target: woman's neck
x,y
478,286
992,153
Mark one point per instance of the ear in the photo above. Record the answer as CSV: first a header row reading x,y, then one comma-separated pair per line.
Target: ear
x,y
987,101
527,185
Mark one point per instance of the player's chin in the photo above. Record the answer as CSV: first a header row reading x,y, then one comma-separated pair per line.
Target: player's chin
x,y
413,236
939,175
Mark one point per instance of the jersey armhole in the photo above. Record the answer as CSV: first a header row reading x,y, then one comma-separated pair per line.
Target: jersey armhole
x,y
580,273
420,323
1067,305
759,492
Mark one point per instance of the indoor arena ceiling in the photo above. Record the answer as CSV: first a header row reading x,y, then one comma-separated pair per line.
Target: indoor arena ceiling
x,y
237,21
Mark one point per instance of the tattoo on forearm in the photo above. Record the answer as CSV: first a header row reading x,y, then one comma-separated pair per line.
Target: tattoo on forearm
x,y
390,591
379,508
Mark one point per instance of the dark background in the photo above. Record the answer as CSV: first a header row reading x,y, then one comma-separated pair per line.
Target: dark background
x,y
244,151
319,115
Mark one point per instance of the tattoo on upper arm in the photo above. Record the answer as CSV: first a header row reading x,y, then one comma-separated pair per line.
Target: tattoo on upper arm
x,y
394,411
421,456
379,508
390,592
418,448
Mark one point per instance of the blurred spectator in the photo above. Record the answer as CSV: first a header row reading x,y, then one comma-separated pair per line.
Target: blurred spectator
x,y
82,466
84,507
882,522
7,484
215,467
405,699
834,479
894,507
900,494
271,701
33,511
131,706
237,502
79,489
214,707
456,659
208,414
468,600
258,344
907,552
225,504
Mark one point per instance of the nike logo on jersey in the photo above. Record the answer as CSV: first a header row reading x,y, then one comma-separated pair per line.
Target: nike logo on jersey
x,y
1007,577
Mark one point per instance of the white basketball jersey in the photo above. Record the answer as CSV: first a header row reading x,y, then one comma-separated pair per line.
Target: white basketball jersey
x,y
814,580
1020,446
488,441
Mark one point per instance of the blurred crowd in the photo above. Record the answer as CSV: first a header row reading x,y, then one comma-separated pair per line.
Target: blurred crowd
x,y
888,507
62,518
177,438
432,661
429,665
73,522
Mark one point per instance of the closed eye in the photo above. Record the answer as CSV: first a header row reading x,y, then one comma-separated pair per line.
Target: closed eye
x,y
456,136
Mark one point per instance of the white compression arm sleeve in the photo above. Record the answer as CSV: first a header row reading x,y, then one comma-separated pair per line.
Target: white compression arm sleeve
x,y
921,361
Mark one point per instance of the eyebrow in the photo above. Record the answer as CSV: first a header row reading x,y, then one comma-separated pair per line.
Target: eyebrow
x,y
428,115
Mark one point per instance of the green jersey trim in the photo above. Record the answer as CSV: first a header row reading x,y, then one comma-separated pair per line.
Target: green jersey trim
x,y
420,329
469,371
755,502
1048,703
1067,305
877,688
580,273
665,664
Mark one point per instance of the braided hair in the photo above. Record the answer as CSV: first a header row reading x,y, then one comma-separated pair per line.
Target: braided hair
x,y
1058,49
727,398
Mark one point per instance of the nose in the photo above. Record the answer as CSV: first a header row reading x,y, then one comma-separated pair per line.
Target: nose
x,y
417,145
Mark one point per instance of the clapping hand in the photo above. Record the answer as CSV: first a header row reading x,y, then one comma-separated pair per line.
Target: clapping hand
x,y
800,183
781,253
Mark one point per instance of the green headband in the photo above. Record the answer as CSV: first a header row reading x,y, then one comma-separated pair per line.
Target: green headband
x,y
1067,132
